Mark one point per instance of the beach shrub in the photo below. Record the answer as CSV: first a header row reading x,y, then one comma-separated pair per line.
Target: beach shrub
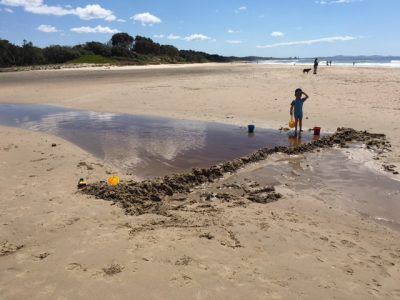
x,y
169,50
120,51
122,48
123,40
9,54
145,45
60,54
98,48
31,55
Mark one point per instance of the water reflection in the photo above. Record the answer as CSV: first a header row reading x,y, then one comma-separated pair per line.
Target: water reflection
x,y
294,141
146,146
119,141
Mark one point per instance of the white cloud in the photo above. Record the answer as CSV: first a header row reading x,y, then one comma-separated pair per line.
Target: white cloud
x,y
89,12
94,11
189,38
196,37
234,42
21,2
146,19
47,28
9,10
97,29
48,10
277,34
159,36
310,42
231,31
242,8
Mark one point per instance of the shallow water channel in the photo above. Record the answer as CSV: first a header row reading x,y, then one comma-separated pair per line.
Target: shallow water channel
x,y
348,178
142,145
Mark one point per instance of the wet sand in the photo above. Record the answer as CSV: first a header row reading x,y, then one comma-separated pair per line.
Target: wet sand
x,y
57,243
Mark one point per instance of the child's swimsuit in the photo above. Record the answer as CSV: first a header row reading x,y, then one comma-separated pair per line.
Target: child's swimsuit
x,y
298,108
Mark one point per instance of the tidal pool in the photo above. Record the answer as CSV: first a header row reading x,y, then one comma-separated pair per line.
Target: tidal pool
x,y
142,145
345,177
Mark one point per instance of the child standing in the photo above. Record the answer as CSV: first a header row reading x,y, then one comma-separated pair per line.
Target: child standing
x,y
297,107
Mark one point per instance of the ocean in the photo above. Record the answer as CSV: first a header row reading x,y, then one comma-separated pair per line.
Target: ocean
x,y
338,61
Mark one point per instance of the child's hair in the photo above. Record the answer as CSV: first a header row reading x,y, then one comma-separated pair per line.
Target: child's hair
x,y
297,90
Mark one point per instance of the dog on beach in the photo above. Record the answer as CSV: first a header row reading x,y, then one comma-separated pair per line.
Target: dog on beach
x,y
306,70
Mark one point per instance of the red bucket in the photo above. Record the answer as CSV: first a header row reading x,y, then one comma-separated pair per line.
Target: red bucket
x,y
317,130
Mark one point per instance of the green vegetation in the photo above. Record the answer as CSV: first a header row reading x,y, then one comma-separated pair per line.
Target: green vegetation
x,y
93,59
121,49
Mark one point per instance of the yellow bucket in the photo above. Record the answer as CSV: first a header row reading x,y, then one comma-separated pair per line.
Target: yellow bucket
x,y
113,180
291,123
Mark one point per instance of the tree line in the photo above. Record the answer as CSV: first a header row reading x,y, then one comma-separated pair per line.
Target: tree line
x,y
121,46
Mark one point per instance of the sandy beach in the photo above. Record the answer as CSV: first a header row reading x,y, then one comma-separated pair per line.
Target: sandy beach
x,y
57,243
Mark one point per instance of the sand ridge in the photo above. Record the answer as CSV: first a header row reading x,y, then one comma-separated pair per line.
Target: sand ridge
x,y
150,196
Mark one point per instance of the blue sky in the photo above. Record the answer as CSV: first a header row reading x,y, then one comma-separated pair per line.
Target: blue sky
x,y
278,28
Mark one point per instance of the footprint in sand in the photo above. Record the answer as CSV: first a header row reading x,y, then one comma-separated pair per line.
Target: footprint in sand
x,y
180,280
381,263
348,243
264,226
324,238
42,256
71,221
77,267
6,149
394,256
348,270
231,241
184,261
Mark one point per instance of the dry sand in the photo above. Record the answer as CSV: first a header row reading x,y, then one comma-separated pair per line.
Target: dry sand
x,y
56,243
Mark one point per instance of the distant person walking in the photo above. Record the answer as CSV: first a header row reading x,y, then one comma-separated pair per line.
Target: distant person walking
x,y
296,109
315,65
330,63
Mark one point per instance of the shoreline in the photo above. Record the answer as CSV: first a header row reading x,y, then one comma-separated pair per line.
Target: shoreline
x,y
96,67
